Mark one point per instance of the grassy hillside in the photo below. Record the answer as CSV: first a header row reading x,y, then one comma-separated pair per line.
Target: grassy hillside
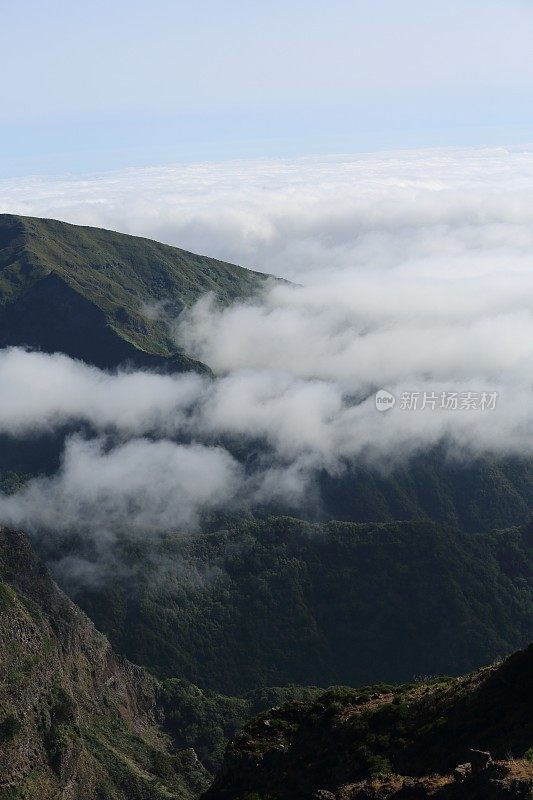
x,y
282,601
92,293
392,742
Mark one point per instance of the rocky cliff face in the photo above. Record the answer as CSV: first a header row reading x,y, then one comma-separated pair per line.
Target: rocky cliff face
x,y
455,739
77,722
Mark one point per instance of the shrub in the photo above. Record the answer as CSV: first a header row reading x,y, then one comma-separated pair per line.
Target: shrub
x,y
9,727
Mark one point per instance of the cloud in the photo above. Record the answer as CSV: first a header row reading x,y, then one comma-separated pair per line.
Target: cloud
x,y
140,486
464,209
40,392
414,273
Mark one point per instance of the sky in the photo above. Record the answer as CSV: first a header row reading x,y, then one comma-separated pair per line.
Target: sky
x,y
108,85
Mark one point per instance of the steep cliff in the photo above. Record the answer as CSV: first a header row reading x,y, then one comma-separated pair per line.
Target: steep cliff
x,y
77,722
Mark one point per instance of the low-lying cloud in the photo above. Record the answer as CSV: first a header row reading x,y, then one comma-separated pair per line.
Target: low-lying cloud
x,y
414,275
143,485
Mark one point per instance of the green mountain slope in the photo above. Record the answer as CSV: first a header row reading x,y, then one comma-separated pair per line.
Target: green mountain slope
x,y
282,601
206,720
78,722
393,742
85,291
477,495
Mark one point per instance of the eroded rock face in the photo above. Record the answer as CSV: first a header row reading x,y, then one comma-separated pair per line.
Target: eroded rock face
x,y
77,722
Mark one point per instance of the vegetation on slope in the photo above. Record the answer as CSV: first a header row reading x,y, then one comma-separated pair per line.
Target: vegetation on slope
x,y
92,293
72,712
360,743
206,720
280,601
477,495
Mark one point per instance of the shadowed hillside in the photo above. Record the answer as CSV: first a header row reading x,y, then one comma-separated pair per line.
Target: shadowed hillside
x,y
79,722
464,739
281,601
102,296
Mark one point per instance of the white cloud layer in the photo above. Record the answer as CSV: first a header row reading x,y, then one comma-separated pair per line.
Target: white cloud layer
x,y
141,485
458,209
415,273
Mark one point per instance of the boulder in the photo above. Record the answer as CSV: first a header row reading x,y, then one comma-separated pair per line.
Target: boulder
x,y
480,760
462,772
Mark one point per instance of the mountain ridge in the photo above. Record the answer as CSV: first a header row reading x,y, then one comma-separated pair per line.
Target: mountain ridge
x,y
122,290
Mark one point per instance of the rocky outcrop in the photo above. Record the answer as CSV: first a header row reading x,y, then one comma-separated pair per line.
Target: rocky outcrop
x,y
450,739
77,722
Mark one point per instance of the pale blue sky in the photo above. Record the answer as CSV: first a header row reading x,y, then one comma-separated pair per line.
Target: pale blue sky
x,y
102,85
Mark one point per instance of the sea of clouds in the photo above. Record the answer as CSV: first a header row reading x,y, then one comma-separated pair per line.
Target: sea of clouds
x,y
411,272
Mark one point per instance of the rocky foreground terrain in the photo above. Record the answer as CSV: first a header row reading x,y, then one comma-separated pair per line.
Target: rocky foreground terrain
x,y
460,738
